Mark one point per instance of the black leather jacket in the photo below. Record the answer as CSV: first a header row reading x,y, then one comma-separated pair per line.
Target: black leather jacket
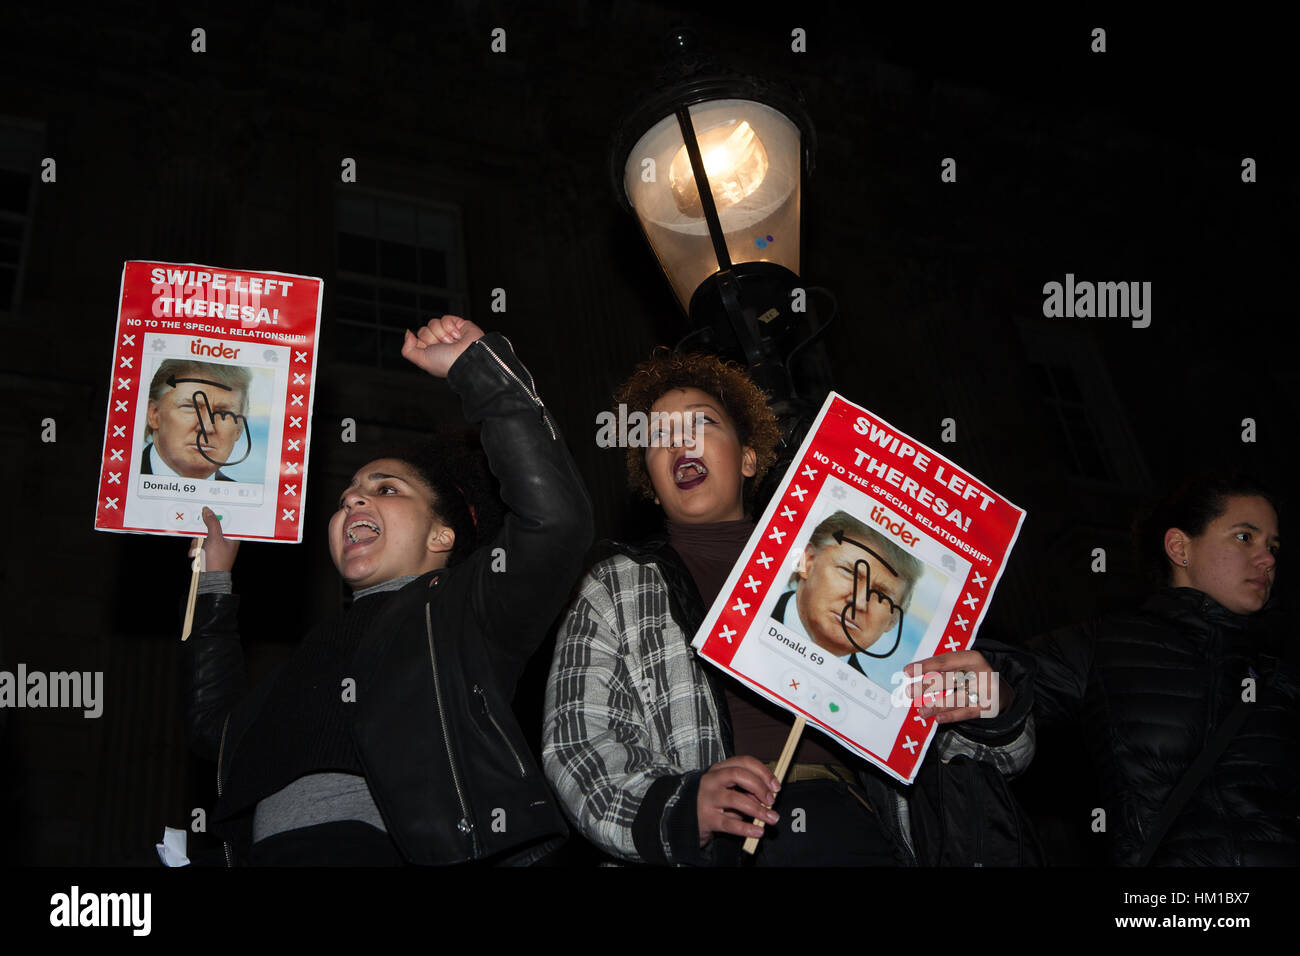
x,y
1149,689
445,761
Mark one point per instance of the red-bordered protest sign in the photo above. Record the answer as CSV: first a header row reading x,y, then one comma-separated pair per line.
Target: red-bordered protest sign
x,y
210,399
876,551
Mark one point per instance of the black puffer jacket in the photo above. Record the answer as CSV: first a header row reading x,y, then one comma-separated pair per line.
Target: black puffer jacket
x,y
1148,691
446,763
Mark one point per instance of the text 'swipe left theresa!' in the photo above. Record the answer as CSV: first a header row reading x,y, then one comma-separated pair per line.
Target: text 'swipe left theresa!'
x,y
209,402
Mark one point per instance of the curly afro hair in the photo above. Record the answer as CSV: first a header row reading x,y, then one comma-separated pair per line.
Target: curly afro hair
x,y
742,400
465,496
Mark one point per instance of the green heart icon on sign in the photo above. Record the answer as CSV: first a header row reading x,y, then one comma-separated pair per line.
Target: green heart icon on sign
x,y
835,708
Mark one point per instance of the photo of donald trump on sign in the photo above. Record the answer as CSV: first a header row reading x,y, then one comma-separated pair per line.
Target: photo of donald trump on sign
x,y
197,413
852,591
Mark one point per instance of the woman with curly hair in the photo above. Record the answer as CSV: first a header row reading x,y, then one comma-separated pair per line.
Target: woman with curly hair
x,y
655,756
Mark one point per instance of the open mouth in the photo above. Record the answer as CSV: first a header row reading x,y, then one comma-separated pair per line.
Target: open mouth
x,y
689,472
362,531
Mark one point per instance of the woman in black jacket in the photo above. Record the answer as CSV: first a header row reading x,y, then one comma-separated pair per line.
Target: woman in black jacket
x,y
388,736
1153,690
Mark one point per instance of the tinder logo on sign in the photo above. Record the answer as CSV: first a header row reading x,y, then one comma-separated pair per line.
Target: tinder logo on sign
x,y
213,351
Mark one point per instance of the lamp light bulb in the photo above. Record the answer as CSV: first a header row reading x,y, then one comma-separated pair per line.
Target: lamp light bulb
x,y
734,161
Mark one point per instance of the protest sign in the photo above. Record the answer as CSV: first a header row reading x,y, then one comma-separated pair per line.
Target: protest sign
x,y
874,552
210,399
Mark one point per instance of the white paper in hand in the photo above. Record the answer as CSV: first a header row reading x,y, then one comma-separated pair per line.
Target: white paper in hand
x,y
172,849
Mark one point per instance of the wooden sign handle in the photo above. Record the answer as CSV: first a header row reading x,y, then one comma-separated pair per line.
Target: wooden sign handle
x,y
782,765
198,566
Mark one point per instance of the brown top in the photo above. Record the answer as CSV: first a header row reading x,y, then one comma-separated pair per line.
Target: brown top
x,y
759,727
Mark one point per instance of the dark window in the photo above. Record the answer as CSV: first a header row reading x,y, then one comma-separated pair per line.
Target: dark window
x,y
1078,439
400,263
20,164
14,186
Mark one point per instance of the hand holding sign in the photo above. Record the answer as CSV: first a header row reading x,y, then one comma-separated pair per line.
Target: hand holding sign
x,y
732,793
966,678
219,551
437,345
215,551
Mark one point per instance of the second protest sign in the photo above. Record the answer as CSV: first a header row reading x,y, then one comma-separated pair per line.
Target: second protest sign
x,y
874,552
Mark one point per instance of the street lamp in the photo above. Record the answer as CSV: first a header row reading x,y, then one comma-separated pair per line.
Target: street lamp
x,y
712,165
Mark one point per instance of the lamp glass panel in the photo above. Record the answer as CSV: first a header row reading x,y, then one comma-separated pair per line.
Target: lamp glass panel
x,y
752,159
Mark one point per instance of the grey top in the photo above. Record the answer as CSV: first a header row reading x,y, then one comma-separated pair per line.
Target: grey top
x,y
393,585
313,799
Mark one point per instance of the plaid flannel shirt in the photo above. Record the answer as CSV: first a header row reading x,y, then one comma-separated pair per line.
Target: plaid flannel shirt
x,y
631,724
